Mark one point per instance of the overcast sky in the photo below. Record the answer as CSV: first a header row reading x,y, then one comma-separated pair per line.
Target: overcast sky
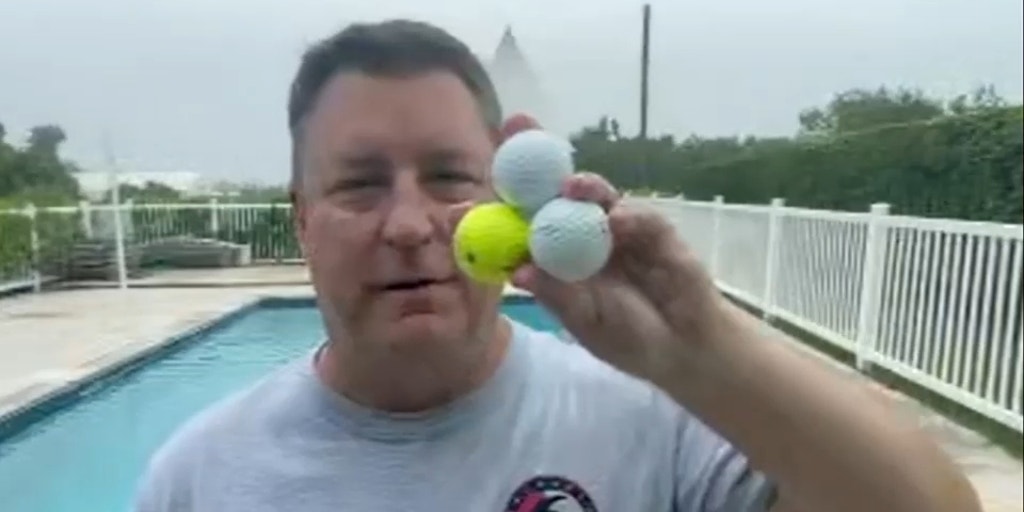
x,y
201,84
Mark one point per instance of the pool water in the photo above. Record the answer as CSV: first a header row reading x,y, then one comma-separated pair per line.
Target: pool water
x,y
88,457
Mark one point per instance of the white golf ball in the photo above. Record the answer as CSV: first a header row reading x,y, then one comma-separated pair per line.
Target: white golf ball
x,y
529,169
570,239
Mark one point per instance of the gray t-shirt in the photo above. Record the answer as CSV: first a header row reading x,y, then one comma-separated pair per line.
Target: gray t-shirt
x,y
554,430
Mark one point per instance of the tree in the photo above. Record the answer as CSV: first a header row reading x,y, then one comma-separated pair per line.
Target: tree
x,y
613,127
46,138
981,99
36,171
861,109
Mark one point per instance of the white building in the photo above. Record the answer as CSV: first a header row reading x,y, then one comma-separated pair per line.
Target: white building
x,y
95,185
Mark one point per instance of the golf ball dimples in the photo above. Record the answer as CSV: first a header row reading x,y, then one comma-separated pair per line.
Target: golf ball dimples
x,y
490,241
529,169
570,239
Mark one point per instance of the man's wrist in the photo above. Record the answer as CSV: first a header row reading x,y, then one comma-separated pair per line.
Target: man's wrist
x,y
707,362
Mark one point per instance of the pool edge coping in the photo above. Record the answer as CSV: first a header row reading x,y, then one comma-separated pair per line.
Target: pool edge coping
x,y
23,416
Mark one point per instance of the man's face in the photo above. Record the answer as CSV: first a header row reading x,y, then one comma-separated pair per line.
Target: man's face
x,y
384,160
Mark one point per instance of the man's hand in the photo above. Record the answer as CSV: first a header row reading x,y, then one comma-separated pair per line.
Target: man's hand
x,y
654,312
649,307
651,285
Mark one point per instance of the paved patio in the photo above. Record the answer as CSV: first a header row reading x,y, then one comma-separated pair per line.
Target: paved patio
x,y
52,339
260,275
55,338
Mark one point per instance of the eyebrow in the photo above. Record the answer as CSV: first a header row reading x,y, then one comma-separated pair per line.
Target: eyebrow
x,y
446,155
366,160
357,159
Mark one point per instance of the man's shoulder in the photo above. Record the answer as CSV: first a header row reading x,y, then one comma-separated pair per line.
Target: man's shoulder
x,y
206,427
261,398
222,430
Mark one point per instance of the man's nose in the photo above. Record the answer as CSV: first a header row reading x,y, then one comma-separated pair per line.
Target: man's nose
x,y
410,221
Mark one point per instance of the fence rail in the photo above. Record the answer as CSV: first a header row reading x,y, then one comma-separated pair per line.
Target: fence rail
x,y
937,302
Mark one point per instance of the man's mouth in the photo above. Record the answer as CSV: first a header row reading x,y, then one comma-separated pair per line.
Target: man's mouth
x,y
411,284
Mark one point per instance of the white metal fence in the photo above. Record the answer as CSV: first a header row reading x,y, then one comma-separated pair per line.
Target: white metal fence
x,y
935,301
938,302
33,241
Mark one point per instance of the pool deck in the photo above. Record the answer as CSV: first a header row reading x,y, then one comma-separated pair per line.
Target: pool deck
x,y
55,339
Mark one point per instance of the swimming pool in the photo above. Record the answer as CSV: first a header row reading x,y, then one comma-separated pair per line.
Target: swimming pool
x,y
87,456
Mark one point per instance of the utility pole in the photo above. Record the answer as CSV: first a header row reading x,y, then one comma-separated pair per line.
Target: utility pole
x,y
645,60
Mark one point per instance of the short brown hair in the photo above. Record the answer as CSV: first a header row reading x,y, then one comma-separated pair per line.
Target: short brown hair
x,y
389,48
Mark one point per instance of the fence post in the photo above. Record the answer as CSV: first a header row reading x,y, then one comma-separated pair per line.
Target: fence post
x,y
771,257
870,301
127,222
84,208
119,236
37,278
214,218
716,235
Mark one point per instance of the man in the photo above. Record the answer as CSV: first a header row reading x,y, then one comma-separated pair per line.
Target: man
x,y
425,398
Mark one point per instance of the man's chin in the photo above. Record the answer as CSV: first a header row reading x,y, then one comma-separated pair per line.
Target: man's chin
x,y
424,330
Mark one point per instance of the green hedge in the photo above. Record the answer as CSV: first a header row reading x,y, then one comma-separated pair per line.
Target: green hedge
x,y
56,233
15,246
957,167
966,167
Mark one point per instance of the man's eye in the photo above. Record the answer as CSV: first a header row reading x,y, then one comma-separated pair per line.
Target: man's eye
x,y
451,177
360,184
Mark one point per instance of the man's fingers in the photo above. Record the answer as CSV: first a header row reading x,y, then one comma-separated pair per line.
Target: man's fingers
x,y
592,188
518,123
653,257
645,241
639,227
647,248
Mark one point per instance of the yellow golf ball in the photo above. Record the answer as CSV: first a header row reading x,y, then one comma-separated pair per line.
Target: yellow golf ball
x,y
490,242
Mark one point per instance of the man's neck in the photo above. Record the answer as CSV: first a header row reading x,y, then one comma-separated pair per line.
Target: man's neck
x,y
404,384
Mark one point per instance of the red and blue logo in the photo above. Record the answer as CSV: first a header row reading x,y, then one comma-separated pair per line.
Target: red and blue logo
x,y
550,494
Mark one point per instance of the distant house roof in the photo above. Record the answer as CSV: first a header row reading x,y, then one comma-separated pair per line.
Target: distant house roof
x,y
508,57
515,79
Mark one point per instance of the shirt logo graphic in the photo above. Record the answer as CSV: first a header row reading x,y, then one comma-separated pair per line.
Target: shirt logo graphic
x,y
550,494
